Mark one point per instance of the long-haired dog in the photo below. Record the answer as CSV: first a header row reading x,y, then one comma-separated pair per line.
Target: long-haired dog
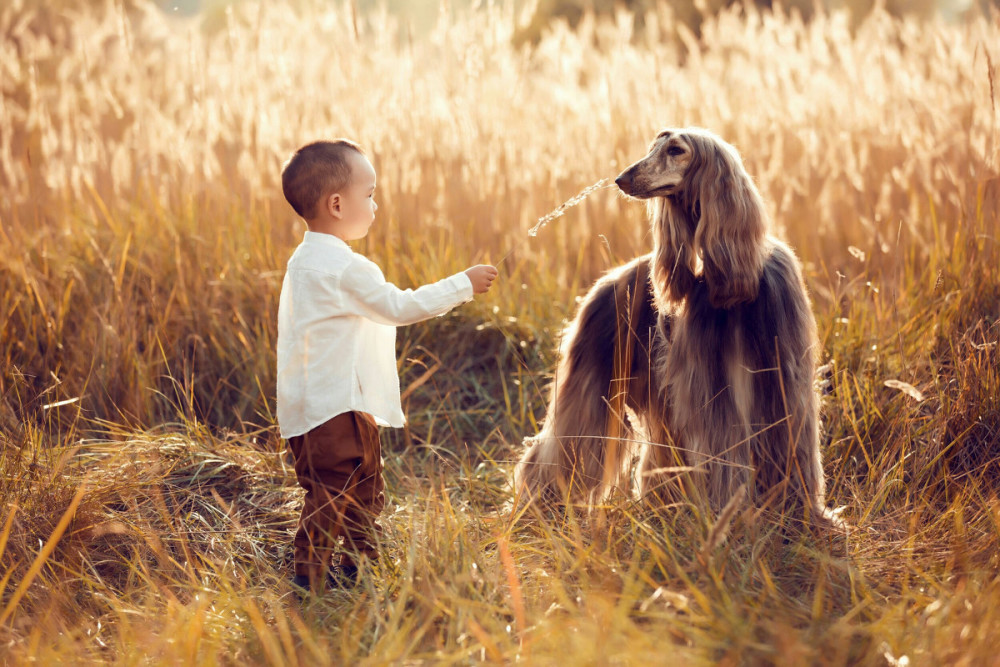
x,y
700,357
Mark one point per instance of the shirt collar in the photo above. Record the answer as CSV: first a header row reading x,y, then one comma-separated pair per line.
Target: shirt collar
x,y
325,239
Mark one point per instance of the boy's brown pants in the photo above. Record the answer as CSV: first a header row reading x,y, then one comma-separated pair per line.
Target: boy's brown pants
x,y
339,464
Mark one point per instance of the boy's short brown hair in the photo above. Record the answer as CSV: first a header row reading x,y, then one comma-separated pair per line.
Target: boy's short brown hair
x,y
315,170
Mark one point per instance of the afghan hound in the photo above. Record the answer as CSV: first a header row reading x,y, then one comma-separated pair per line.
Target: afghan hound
x,y
698,358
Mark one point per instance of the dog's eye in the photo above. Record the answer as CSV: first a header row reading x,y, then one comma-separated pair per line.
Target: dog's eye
x,y
675,150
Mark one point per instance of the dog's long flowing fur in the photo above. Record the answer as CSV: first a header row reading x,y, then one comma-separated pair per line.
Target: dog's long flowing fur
x,y
699,357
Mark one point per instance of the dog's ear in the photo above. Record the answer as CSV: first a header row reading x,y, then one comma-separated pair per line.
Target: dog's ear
x,y
674,260
731,226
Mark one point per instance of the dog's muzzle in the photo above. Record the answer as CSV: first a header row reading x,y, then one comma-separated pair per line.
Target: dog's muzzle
x,y
625,182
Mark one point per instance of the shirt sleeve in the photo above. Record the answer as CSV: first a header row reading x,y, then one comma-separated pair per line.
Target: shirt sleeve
x,y
367,293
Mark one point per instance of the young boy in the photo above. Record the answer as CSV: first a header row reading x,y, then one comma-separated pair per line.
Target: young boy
x,y
337,379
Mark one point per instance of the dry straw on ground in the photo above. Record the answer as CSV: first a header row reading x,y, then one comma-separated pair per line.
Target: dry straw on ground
x,y
146,506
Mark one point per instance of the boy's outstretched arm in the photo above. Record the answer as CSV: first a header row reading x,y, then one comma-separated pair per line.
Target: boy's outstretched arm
x,y
482,276
364,291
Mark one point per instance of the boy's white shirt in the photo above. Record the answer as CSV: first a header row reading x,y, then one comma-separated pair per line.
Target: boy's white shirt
x,y
337,320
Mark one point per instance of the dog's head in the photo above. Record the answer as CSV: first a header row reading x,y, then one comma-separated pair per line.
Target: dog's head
x,y
708,218
662,171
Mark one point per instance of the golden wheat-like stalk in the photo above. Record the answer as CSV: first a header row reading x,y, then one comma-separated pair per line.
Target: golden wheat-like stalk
x,y
560,210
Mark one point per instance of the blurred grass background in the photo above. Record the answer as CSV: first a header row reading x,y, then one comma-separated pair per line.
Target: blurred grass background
x,y
143,238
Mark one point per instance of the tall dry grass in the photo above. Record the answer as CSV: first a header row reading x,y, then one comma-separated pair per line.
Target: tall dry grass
x,y
146,503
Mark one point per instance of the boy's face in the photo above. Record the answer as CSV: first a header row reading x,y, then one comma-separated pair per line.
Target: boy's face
x,y
357,200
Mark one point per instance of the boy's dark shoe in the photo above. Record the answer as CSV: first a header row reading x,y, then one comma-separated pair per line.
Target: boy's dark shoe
x,y
341,576
300,586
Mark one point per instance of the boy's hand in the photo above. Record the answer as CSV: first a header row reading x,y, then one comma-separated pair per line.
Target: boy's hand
x,y
482,276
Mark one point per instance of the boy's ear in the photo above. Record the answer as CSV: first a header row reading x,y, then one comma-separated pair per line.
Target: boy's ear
x,y
332,204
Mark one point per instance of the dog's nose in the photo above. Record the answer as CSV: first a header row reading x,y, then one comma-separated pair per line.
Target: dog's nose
x,y
624,182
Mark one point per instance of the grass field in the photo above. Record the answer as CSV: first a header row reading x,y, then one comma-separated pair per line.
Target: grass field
x,y
146,506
